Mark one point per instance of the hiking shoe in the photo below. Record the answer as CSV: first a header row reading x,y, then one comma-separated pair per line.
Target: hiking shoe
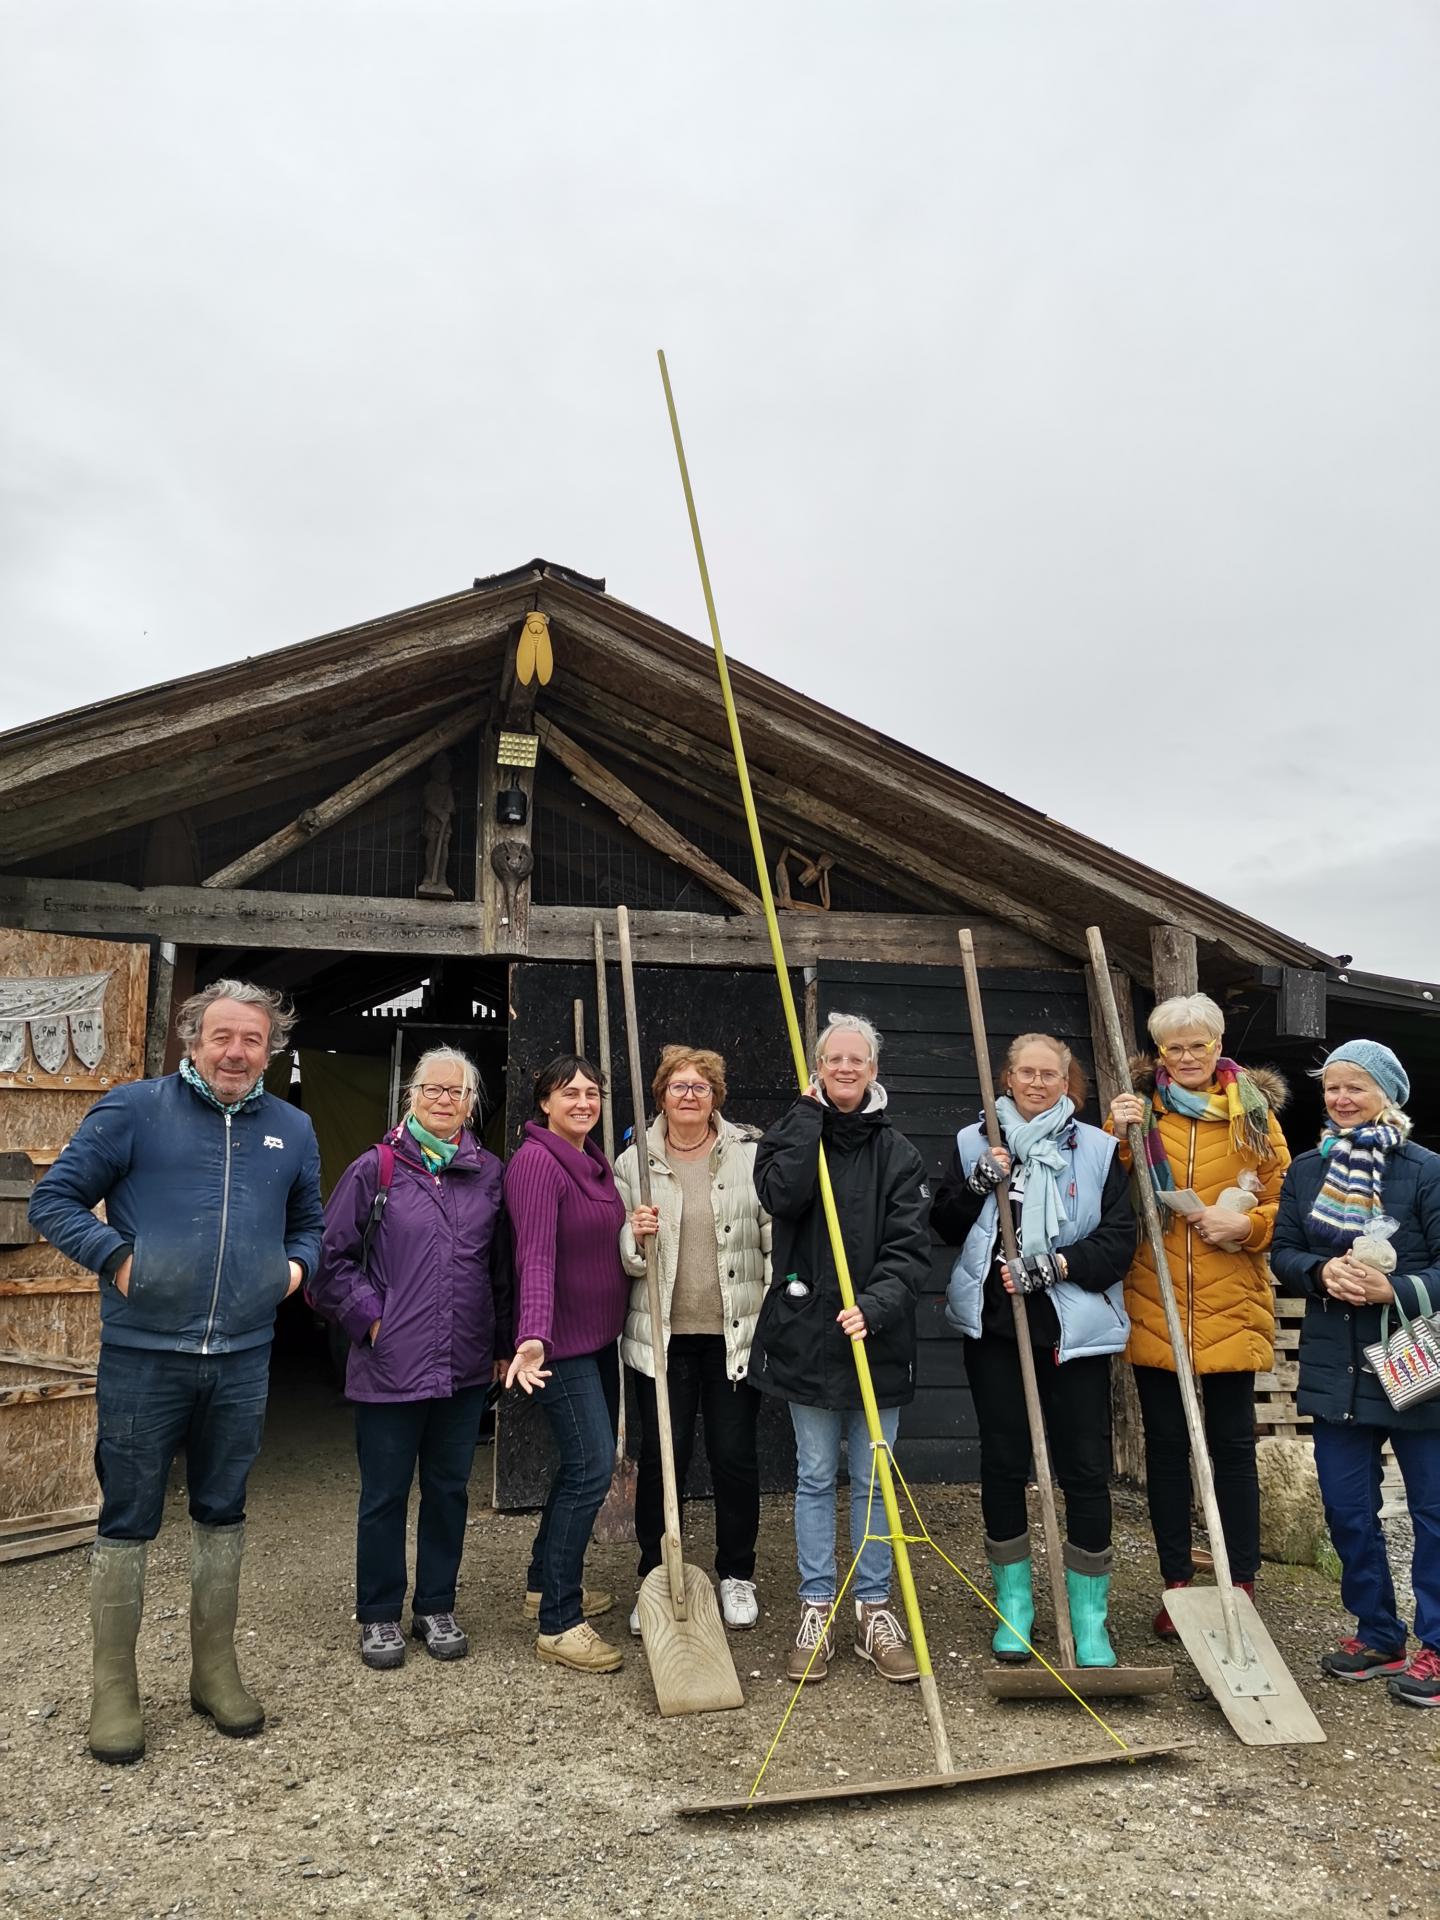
x,y
1164,1626
441,1635
578,1647
738,1603
591,1605
1353,1660
382,1644
1419,1684
880,1639
812,1640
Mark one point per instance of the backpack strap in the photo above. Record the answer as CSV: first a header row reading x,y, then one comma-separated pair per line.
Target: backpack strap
x,y
386,1155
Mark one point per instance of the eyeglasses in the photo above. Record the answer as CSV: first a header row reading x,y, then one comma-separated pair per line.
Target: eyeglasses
x,y
699,1088
1190,1053
1037,1076
435,1094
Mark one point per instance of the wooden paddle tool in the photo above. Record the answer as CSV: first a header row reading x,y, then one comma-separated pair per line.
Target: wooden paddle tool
x,y
1219,1626
680,1623
1065,1679
615,1521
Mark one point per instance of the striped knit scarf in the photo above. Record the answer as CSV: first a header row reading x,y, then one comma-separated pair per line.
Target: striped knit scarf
x,y
1235,1100
1350,1194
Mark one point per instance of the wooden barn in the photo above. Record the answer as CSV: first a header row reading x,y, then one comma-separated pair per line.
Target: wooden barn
x,y
392,826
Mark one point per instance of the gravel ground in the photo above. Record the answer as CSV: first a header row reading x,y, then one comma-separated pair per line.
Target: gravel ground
x,y
498,1786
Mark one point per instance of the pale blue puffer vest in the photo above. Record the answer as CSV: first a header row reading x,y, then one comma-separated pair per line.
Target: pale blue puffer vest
x,y
1090,1323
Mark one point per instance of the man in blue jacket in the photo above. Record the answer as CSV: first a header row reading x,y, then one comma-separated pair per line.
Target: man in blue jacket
x,y
212,1217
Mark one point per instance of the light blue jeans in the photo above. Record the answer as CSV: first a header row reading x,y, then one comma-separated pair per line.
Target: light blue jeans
x,y
818,1434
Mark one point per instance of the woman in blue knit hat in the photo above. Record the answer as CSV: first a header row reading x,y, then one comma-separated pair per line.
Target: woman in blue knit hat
x,y
1359,1226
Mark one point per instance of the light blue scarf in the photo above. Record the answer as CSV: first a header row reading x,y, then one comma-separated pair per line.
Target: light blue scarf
x,y
1035,1144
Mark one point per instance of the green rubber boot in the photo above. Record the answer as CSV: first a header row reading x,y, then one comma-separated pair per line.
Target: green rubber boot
x,y
117,1600
1009,1562
215,1555
1089,1603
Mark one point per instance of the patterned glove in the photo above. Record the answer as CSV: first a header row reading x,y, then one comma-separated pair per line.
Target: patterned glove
x,y
986,1174
1037,1272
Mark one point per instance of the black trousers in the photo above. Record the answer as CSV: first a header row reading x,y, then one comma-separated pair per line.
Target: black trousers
x,y
695,1373
1075,1400
1228,1400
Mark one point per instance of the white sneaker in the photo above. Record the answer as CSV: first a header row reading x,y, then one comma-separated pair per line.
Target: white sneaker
x,y
738,1603
635,1620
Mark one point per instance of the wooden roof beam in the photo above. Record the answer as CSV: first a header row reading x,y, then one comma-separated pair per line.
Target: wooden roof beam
x,y
345,800
633,812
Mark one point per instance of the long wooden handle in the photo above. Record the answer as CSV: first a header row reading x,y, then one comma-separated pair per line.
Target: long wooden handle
x,y
670,1546
1155,1234
602,1021
1039,1446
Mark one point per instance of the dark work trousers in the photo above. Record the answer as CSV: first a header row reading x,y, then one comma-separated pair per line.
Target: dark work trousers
x,y
1347,1458
1075,1400
391,1439
1228,1401
582,1404
698,1382
148,1404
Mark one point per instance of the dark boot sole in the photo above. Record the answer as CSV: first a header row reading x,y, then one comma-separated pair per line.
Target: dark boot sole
x,y
122,1759
383,1666
247,1732
435,1653
1020,1659
1370,1673
1413,1700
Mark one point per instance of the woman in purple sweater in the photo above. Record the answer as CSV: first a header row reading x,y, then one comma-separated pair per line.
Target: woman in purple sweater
x,y
565,1217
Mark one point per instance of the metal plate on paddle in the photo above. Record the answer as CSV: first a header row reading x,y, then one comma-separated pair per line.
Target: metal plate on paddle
x,y
927,1782
1034,1682
1258,1696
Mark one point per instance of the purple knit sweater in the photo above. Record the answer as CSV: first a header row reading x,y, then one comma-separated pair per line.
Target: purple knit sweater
x,y
565,1215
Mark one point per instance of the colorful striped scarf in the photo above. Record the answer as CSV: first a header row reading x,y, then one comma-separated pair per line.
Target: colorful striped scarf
x,y
1350,1195
1235,1099
192,1077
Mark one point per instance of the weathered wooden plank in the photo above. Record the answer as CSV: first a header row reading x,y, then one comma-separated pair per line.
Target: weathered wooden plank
x,y
345,800
1174,961
47,1540
60,1519
642,819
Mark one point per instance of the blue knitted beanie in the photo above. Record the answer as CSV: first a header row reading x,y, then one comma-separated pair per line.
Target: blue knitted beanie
x,y
1372,1057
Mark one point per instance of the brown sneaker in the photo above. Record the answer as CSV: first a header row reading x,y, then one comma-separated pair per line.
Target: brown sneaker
x,y
578,1647
812,1640
591,1604
880,1639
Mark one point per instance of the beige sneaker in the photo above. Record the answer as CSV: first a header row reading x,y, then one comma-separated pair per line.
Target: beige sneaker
x,y
880,1639
591,1605
812,1639
578,1647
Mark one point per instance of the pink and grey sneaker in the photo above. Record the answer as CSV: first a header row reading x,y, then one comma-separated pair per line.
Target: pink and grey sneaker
x,y
1353,1660
1419,1684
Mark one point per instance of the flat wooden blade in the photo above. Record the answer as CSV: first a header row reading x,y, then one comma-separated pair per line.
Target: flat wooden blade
x,y
927,1782
1260,1699
690,1660
1091,1683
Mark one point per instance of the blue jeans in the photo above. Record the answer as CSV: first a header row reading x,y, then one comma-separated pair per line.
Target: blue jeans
x,y
582,1403
1347,1459
391,1437
150,1403
818,1433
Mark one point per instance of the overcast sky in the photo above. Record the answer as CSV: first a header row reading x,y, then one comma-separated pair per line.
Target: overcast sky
x,y
1060,382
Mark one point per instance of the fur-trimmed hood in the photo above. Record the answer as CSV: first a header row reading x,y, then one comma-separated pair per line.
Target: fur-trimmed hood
x,y
1273,1086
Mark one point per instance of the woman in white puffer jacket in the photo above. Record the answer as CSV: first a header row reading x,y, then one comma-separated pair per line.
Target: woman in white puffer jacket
x,y
714,1262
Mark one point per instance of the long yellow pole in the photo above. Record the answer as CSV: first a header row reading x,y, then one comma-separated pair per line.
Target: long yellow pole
x,y
928,1690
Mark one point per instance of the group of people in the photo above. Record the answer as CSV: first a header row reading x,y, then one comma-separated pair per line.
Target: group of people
x,y
454,1277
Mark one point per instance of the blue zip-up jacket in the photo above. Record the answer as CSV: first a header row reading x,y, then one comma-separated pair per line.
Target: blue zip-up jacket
x,y
212,1208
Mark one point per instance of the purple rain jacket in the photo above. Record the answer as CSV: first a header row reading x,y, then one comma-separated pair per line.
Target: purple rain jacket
x,y
438,1277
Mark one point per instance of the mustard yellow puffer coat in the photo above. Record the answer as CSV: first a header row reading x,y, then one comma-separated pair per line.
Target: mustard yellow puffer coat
x,y
1226,1301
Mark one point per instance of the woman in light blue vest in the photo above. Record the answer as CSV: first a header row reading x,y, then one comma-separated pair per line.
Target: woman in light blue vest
x,y
1076,1230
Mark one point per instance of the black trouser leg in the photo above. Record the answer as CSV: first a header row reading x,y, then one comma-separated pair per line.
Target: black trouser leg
x,y
993,1369
1228,1401
682,1377
730,1409
1075,1403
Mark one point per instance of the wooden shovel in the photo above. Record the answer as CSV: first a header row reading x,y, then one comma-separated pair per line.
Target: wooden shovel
x,y
1221,1630
680,1623
1066,1678
615,1521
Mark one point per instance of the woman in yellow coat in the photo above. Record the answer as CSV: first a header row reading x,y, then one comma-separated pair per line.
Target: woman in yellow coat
x,y
1211,1131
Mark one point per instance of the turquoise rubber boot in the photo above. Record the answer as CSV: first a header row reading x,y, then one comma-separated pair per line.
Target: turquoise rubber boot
x,y
1089,1603
1009,1562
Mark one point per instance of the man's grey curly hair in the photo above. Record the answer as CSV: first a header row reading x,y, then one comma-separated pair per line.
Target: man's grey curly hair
x,y
192,1012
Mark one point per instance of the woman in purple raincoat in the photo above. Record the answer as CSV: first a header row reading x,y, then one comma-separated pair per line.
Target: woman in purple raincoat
x,y
427,1308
